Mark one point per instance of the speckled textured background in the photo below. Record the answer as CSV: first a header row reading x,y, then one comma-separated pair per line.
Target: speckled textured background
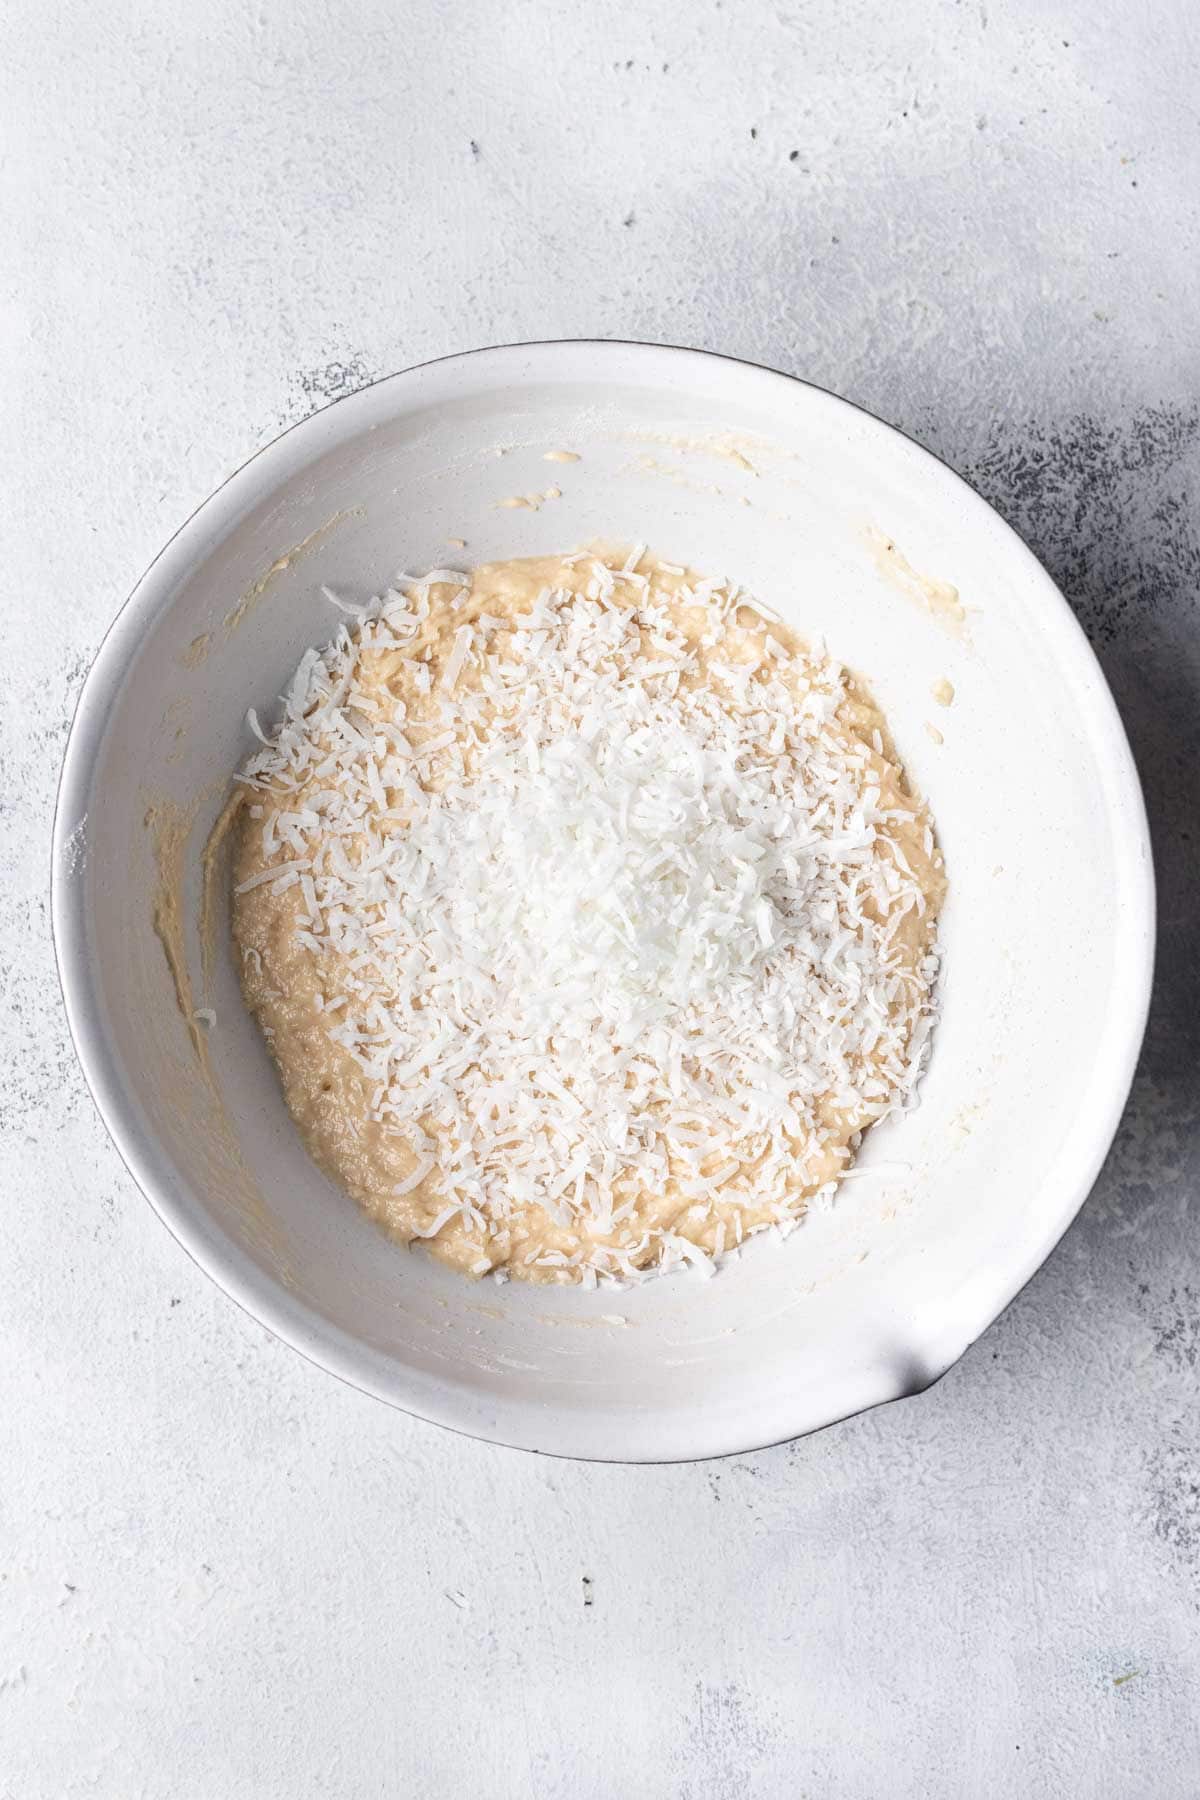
x,y
222,1575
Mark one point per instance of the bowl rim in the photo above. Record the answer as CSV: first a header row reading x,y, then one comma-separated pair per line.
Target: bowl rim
x,y
267,1302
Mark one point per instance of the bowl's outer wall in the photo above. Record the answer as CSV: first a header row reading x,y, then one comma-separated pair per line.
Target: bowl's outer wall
x,y
1047,934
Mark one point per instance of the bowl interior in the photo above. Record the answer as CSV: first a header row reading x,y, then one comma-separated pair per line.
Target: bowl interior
x,y
1046,933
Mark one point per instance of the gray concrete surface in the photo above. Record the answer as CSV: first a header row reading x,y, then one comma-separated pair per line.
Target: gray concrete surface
x,y
223,1576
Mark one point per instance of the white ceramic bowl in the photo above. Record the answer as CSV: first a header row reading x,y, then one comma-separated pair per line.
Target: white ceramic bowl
x,y
1047,932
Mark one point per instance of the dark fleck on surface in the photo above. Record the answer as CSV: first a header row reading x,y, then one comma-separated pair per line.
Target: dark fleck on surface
x,y
334,379
1174,1485
729,1728
1175,1324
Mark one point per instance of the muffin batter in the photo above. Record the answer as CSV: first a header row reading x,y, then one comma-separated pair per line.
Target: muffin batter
x,y
589,917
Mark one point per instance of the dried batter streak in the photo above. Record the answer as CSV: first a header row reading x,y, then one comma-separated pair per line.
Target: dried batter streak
x,y
589,917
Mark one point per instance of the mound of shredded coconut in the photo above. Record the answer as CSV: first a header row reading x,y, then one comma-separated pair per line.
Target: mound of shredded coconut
x,y
613,897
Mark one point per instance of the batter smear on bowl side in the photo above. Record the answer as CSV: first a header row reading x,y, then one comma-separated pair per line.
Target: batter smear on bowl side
x,y
588,915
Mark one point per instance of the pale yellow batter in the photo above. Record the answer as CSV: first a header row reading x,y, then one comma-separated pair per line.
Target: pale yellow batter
x,y
303,990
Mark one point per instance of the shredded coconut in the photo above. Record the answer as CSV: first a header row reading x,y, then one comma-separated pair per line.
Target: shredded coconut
x,y
621,909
